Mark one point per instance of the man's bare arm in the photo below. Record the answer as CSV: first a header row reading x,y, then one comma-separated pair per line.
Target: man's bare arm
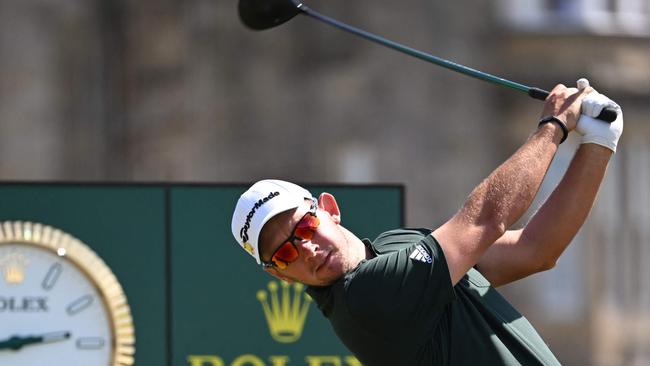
x,y
497,203
503,197
538,246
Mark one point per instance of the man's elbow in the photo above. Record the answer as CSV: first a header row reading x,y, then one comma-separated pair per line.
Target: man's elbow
x,y
539,258
547,265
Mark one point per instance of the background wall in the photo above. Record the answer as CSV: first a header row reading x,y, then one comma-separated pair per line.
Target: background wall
x,y
171,90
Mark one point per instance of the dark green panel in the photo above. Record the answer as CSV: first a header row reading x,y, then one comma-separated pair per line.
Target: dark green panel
x,y
215,284
215,310
125,225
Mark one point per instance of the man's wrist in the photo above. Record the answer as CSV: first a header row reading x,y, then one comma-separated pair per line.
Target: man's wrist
x,y
555,121
594,148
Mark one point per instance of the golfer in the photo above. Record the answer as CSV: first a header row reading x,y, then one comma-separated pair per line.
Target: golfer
x,y
427,297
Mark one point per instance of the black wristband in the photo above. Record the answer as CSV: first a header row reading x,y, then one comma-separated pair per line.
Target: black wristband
x,y
560,122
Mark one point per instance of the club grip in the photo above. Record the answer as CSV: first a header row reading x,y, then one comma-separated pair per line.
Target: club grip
x,y
607,114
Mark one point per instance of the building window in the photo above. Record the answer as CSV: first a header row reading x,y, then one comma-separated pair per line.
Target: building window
x,y
607,17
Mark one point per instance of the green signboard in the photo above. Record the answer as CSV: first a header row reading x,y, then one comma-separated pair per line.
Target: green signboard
x,y
195,297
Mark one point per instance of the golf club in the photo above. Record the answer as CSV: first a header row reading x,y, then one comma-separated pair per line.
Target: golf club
x,y
265,14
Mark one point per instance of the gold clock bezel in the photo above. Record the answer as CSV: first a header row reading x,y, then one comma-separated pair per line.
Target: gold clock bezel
x,y
112,295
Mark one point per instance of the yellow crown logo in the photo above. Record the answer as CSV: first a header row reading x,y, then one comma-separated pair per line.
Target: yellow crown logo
x,y
286,314
13,268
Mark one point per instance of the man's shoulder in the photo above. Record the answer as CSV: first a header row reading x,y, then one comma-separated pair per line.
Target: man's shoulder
x,y
397,239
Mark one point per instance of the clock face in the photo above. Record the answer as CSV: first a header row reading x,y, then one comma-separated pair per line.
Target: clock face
x,y
53,308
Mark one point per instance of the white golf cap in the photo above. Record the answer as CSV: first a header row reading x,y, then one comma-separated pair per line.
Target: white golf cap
x,y
259,204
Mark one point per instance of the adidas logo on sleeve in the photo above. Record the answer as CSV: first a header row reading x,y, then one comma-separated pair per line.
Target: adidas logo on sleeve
x,y
420,254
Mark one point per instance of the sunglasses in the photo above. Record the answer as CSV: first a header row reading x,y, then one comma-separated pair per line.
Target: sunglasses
x,y
287,253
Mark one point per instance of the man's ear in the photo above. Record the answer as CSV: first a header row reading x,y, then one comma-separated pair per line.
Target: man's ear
x,y
327,202
275,273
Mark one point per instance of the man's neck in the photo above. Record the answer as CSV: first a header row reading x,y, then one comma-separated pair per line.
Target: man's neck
x,y
357,250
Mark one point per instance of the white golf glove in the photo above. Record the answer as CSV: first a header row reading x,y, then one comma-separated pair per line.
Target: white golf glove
x,y
595,131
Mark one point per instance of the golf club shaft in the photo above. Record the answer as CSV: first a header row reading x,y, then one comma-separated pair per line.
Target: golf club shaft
x,y
537,93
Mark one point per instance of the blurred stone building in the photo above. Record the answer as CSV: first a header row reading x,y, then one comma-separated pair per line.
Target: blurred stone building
x,y
163,90
595,305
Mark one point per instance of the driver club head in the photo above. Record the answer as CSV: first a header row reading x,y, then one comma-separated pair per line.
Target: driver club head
x,y
265,14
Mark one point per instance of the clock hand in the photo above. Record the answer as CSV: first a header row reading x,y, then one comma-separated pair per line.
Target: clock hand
x,y
55,336
17,342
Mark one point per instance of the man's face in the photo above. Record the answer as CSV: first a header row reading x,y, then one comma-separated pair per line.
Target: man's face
x,y
321,260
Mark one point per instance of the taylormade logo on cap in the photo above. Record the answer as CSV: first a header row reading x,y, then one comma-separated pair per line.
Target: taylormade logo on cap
x,y
258,205
244,231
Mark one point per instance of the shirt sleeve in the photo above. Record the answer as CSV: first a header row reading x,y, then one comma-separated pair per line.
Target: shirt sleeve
x,y
402,295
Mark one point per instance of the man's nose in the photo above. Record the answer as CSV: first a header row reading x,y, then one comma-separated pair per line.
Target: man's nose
x,y
307,249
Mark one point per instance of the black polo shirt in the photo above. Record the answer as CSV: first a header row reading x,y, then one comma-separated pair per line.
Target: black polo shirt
x,y
399,308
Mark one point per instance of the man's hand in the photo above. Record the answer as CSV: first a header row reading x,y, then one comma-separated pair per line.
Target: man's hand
x,y
595,131
564,103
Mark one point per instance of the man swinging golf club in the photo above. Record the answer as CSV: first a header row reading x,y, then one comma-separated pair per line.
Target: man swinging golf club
x,y
427,297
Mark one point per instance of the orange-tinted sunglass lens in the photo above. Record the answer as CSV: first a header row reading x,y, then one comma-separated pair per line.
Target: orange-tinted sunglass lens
x,y
285,254
306,227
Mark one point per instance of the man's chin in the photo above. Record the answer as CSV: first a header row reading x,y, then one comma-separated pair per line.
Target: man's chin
x,y
326,280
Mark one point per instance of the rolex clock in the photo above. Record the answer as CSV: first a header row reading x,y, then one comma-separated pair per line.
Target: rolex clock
x,y
60,304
